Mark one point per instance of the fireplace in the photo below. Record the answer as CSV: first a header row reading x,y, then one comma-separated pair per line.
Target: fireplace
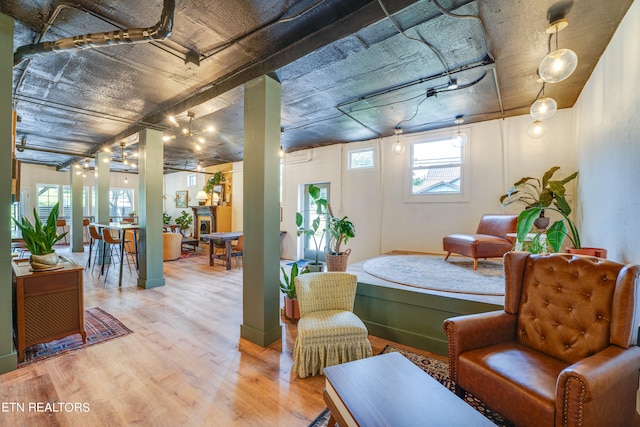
x,y
205,226
204,220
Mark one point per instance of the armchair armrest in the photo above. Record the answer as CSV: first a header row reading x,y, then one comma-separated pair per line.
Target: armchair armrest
x,y
598,388
476,331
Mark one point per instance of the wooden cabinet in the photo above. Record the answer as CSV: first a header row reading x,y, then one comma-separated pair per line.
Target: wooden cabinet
x,y
47,305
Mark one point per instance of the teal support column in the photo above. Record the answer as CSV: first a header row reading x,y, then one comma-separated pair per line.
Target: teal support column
x,y
150,257
76,229
102,184
8,356
261,220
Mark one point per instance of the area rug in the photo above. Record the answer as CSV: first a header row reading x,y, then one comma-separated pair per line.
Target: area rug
x,y
433,272
439,370
190,253
99,325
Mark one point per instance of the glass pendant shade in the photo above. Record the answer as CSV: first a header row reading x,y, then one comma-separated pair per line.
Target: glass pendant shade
x,y
459,139
537,129
398,146
558,65
543,108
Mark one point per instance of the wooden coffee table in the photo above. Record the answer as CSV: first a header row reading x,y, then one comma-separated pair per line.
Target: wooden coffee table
x,y
389,390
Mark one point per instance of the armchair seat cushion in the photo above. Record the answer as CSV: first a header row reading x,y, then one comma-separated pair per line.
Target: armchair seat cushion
x,y
331,324
511,369
476,245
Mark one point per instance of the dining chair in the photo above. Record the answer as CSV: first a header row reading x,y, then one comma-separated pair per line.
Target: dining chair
x,y
236,251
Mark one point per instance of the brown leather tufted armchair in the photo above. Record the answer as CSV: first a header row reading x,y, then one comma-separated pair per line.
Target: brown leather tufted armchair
x,y
489,241
563,352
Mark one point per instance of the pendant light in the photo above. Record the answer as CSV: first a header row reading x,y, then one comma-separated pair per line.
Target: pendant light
x,y
537,129
398,146
561,63
543,108
459,139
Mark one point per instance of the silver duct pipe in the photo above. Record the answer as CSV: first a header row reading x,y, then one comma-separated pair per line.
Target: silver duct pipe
x,y
160,31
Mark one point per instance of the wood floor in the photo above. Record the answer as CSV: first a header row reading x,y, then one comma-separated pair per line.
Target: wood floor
x,y
184,364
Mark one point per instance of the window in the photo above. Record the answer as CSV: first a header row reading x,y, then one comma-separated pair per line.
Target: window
x,y
309,215
120,202
360,159
437,170
66,201
46,198
191,180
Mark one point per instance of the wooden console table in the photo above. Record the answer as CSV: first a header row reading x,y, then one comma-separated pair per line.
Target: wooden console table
x,y
389,390
48,305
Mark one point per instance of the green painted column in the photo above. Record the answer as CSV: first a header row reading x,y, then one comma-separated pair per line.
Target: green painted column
x,y
102,184
75,228
151,274
261,254
8,356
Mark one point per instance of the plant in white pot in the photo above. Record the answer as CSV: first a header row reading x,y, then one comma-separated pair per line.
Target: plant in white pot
x,y
184,222
40,238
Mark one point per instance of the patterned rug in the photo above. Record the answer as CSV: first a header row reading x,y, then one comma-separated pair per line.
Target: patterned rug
x,y
99,325
432,272
439,370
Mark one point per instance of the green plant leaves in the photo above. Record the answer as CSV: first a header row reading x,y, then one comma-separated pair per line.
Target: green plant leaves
x,y
556,234
40,238
525,221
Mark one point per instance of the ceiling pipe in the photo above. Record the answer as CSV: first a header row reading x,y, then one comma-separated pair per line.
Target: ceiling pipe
x,y
160,31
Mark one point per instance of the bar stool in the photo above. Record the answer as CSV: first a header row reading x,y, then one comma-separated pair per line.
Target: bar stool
x,y
85,230
117,242
62,223
94,237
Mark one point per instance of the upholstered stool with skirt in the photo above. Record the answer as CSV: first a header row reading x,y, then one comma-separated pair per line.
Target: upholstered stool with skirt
x,y
328,331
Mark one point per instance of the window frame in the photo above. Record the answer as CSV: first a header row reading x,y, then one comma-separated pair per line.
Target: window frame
x,y
351,151
465,168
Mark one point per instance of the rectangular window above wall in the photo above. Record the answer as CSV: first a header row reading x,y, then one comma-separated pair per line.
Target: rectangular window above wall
x,y
362,159
438,169
191,180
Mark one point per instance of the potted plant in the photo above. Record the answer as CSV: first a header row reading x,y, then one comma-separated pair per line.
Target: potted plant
x,y
166,218
340,231
184,222
337,230
540,194
40,238
217,178
287,287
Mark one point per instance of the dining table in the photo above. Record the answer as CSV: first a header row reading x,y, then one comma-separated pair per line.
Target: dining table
x,y
122,229
227,237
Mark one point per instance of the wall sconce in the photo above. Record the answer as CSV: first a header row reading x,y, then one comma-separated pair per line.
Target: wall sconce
x,y
561,63
201,197
459,139
398,146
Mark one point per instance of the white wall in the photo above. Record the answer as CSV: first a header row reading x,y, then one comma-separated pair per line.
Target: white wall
x,y
177,181
374,201
607,126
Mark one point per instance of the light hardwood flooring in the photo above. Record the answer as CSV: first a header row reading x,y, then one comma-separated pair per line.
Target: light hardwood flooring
x,y
184,364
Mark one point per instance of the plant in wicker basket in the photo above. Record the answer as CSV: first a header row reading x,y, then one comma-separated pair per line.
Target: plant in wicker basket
x,y
340,231
40,238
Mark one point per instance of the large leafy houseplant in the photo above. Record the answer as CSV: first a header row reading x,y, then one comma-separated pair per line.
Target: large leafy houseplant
x,y
540,195
336,230
184,220
40,237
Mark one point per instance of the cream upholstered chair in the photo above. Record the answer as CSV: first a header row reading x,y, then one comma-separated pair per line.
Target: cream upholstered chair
x,y
328,331
171,246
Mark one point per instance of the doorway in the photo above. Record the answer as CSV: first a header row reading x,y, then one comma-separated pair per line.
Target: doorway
x,y
309,215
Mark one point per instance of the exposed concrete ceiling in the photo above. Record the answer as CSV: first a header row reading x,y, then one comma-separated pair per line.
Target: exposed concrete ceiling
x,y
347,73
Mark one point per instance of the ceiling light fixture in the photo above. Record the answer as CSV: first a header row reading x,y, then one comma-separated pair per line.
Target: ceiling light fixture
x,y
196,140
453,83
561,63
398,146
459,139
281,153
537,129
543,108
